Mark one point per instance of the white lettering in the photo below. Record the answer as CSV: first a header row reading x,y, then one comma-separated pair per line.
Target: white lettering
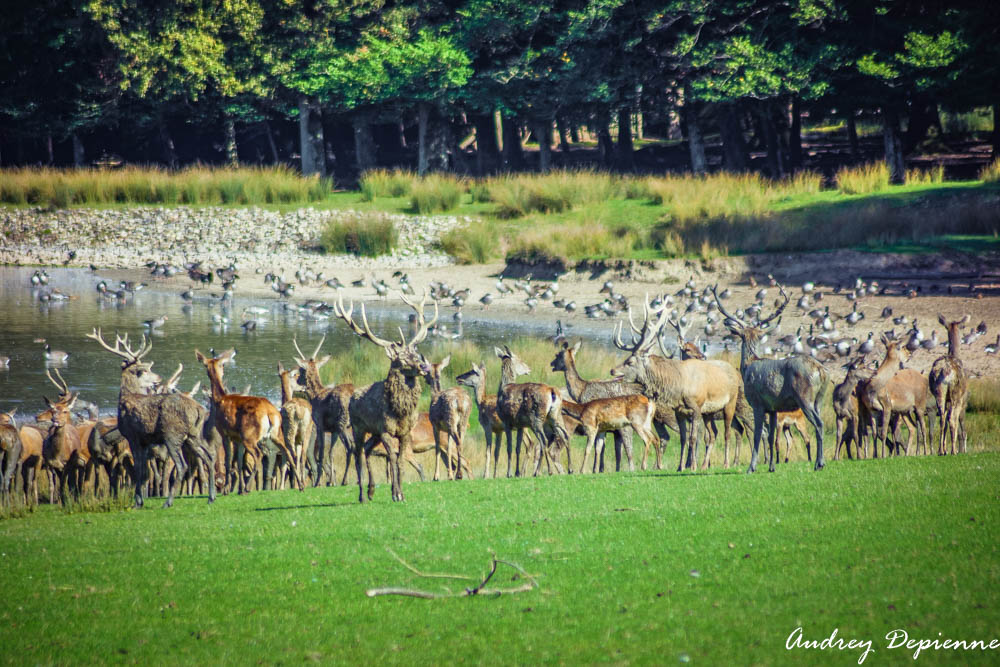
x,y
894,635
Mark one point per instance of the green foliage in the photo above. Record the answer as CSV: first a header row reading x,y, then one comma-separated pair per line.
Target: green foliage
x,y
368,235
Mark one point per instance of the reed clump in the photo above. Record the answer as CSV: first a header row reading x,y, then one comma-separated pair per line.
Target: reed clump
x,y
367,235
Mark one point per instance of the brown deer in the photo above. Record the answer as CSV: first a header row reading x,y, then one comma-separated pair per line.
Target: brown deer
x,y
330,412
690,389
794,420
65,450
486,404
949,382
173,421
30,463
387,410
775,385
10,455
846,407
296,422
582,391
449,414
603,415
893,391
530,405
421,442
247,422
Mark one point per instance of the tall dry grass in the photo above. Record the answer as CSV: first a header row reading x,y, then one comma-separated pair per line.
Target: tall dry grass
x,y
553,192
377,183
724,194
991,172
368,235
199,185
435,193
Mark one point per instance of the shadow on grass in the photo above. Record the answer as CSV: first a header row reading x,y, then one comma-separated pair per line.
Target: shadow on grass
x,y
304,507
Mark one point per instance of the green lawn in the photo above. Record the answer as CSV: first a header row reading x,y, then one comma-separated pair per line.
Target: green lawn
x,y
632,568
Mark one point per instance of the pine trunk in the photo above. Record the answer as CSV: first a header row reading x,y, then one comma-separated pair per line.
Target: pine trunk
x,y
311,138
795,135
893,146
513,155
364,143
439,142
78,153
605,146
626,158
734,147
692,125
770,131
923,116
50,151
232,156
563,134
574,134
543,135
423,119
487,149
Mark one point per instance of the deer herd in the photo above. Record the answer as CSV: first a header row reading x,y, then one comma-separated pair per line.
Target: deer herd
x,y
164,441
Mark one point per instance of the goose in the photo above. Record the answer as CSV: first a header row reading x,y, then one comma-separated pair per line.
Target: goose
x,y
789,340
503,289
458,317
690,283
571,307
981,328
827,322
249,325
531,302
486,300
55,355
219,319
991,348
803,303
381,289
817,313
131,286
868,345
970,338
607,287
844,345
808,287
899,320
855,315
187,295
725,294
761,294
771,280
360,282
335,283
155,323
887,312
930,343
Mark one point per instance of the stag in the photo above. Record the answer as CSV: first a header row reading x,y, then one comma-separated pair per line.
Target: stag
x,y
449,414
949,382
65,450
530,405
387,410
296,423
486,405
330,412
776,385
145,420
249,422
582,391
689,389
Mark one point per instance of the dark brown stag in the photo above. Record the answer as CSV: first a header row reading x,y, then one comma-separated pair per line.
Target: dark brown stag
x,y
776,385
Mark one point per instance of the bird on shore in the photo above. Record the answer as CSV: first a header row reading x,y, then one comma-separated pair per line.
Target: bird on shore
x,y
486,300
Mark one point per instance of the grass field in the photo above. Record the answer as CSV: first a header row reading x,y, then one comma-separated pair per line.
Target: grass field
x,y
632,568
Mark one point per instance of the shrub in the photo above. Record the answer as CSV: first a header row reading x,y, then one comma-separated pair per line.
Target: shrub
x,y
435,193
991,172
367,235
476,243
377,183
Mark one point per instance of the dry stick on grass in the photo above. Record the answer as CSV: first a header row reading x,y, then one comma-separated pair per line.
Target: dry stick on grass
x,y
480,589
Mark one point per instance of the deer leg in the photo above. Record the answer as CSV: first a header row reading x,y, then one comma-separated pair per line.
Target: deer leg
x,y
510,452
599,443
772,425
320,454
404,446
626,445
458,437
812,415
591,438
682,425
180,468
488,436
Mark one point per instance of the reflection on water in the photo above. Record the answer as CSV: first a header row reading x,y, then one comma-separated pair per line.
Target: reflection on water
x,y
25,318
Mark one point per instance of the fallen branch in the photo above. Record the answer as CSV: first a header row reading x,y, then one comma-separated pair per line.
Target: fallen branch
x,y
480,589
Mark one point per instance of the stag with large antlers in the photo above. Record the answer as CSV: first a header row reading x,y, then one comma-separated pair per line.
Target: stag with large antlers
x,y
949,383
774,385
247,422
387,410
330,412
175,421
689,389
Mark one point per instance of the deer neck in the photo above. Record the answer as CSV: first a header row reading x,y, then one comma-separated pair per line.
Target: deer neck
x,y
286,388
576,384
886,369
953,341
218,391
402,392
748,354
314,386
506,374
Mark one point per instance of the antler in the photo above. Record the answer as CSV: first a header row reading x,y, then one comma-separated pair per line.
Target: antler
x,y
422,326
722,309
128,354
647,335
303,357
170,385
348,316
60,384
781,308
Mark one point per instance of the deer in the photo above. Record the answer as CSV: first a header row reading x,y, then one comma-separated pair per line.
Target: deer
x,y
330,412
530,405
486,405
10,455
794,419
386,411
846,407
146,420
449,414
582,391
64,449
690,389
894,391
949,383
603,415
421,442
296,422
30,462
775,385
247,422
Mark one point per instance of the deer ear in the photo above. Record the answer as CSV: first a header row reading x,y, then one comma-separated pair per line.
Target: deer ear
x,y
965,320
47,401
444,363
943,321
281,369
199,356
576,348
323,361
885,341
500,353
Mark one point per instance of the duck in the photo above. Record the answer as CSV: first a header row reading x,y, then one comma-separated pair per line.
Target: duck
x,y
486,300
55,355
991,348
155,323
887,312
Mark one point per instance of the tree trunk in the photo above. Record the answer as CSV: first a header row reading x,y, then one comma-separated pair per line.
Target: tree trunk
x,y
78,154
232,156
852,134
574,134
311,145
923,116
893,146
270,142
513,155
626,159
637,123
487,150
423,118
169,153
439,142
734,147
775,159
543,134
402,132
795,135
692,125
605,146
364,142
49,149
563,134
996,130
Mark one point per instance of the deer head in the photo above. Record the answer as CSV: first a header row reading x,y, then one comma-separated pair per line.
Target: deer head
x,y
751,334
643,338
137,375
402,355
565,357
432,372
510,362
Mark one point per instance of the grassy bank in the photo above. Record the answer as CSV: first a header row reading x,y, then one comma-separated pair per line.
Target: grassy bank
x,y
644,568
